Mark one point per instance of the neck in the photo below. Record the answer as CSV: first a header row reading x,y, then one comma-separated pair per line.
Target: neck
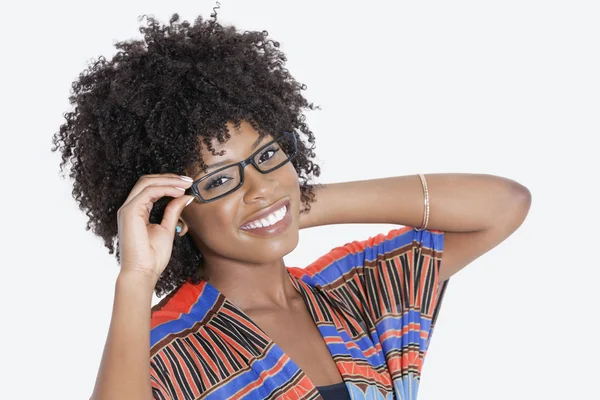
x,y
253,287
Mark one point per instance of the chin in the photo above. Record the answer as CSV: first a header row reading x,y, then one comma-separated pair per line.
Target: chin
x,y
264,250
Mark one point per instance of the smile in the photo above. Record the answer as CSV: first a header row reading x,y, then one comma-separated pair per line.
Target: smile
x,y
273,224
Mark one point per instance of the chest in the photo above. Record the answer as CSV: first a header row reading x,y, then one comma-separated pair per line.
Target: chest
x,y
299,338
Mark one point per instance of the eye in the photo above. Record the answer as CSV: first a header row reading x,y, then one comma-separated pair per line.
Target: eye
x,y
216,182
267,155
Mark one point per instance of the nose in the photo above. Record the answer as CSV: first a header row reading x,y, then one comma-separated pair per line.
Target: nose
x,y
258,186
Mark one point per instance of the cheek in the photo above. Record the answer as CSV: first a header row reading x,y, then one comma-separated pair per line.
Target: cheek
x,y
219,218
295,184
214,223
289,176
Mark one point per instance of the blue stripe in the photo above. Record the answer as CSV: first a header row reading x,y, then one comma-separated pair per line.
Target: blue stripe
x,y
358,354
270,359
412,336
204,303
341,266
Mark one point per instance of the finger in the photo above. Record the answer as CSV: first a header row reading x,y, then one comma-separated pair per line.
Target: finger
x,y
173,211
158,180
142,203
162,179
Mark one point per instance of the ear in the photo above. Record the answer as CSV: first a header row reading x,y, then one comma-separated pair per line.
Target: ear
x,y
184,227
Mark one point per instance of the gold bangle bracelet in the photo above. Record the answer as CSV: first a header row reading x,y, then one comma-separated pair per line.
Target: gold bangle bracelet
x,y
426,201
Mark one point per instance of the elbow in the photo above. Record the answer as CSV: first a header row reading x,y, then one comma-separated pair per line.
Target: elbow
x,y
523,197
520,204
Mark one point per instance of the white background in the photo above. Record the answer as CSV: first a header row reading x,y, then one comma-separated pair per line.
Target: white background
x,y
509,88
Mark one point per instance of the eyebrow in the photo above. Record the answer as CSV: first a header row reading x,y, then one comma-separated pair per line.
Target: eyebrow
x,y
229,161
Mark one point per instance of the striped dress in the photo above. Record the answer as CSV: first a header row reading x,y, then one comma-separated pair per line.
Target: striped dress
x,y
374,302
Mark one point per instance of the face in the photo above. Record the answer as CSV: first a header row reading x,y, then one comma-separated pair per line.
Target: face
x,y
216,226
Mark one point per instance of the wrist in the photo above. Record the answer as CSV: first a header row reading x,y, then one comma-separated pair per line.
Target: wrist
x,y
138,278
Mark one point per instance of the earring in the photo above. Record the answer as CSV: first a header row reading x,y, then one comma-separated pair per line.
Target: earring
x,y
178,229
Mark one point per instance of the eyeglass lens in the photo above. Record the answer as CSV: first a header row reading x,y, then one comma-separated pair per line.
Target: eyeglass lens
x,y
229,179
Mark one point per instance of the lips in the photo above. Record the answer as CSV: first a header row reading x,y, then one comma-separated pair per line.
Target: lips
x,y
274,230
266,211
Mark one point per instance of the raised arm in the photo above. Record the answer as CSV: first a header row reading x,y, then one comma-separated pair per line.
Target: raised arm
x,y
145,252
476,211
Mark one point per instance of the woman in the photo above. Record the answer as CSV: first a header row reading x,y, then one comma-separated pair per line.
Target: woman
x,y
187,149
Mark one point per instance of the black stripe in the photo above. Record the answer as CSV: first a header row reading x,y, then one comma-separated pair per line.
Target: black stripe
x,y
383,284
394,279
163,373
404,276
231,358
188,359
216,355
179,374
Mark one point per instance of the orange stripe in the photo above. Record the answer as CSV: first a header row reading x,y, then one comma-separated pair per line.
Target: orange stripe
x,y
242,350
186,372
299,390
242,321
265,374
217,350
313,301
201,350
366,371
167,363
413,326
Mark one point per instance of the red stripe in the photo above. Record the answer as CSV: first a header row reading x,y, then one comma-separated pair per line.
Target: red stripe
x,y
265,374
181,303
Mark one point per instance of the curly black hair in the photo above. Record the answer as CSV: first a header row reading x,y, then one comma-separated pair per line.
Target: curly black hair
x,y
152,107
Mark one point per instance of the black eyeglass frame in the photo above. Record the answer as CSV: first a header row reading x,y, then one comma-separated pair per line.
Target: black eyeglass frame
x,y
241,165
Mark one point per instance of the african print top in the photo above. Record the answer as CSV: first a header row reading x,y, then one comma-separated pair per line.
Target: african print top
x,y
375,303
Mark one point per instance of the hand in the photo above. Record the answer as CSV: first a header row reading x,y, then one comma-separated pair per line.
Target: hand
x,y
146,247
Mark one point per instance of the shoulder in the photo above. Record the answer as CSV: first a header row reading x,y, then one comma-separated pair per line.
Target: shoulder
x,y
358,253
183,311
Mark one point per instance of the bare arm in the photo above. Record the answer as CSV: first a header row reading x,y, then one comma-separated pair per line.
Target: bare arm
x,y
476,211
145,252
124,370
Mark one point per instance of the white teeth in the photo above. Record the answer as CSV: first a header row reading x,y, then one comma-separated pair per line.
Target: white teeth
x,y
269,220
280,213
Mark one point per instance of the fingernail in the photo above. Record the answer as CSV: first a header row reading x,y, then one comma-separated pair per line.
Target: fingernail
x,y
183,190
189,201
186,178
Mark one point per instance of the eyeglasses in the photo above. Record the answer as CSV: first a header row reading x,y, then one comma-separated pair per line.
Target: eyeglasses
x,y
228,179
